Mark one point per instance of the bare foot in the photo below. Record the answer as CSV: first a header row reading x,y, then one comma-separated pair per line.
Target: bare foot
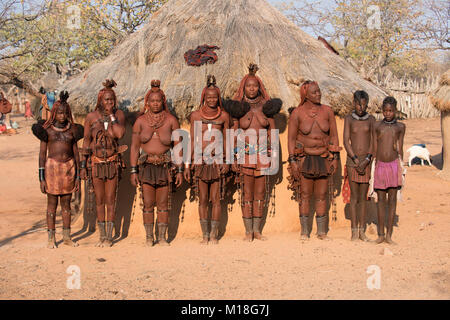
x,y
214,241
51,245
248,237
164,243
149,242
204,241
259,236
304,237
379,240
363,237
107,243
389,240
324,237
70,243
355,235
99,244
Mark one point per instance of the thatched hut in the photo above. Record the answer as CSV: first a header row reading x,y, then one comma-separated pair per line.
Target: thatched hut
x,y
441,101
246,31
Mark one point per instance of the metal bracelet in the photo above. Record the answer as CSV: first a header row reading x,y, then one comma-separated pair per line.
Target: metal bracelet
x,y
180,169
134,170
83,164
41,174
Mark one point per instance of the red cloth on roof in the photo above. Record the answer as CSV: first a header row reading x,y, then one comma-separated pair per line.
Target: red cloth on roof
x,y
201,55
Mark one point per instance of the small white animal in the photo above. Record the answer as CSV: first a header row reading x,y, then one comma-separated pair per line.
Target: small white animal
x,y
420,152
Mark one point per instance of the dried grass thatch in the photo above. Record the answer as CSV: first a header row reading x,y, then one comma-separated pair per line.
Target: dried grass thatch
x,y
440,97
246,31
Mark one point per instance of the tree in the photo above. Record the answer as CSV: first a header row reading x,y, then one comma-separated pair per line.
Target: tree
x,y
375,35
40,37
432,29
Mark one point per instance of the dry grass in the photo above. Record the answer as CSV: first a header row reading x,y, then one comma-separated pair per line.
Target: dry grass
x,y
246,31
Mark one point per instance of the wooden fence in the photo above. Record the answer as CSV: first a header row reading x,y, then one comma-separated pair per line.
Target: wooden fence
x,y
411,94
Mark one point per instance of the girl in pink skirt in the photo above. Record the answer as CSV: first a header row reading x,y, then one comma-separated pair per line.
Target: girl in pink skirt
x,y
388,148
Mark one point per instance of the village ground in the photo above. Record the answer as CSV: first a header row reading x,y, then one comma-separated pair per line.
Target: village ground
x,y
280,268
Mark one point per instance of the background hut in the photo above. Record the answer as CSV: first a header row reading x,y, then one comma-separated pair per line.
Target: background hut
x,y
246,31
441,101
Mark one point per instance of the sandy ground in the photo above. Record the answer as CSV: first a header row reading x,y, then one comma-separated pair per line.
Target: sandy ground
x,y
280,268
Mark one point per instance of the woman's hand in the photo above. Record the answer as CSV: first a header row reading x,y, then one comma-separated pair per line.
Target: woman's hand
x,y
295,170
179,179
83,174
187,174
334,166
224,169
134,179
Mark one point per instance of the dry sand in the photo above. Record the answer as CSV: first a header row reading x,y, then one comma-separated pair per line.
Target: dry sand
x,y
280,268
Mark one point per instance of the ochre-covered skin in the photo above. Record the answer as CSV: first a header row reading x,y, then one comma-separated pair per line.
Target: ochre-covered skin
x,y
102,130
388,136
312,144
208,179
358,142
59,156
250,176
152,132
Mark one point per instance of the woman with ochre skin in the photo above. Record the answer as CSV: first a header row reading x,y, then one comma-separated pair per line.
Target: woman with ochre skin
x,y
152,132
102,130
209,175
313,146
253,113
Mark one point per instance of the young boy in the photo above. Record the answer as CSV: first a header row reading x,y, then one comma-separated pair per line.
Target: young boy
x,y
388,149
358,142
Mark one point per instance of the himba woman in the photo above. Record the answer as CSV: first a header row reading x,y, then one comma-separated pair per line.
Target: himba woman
x,y
313,147
209,175
59,164
152,132
253,112
101,152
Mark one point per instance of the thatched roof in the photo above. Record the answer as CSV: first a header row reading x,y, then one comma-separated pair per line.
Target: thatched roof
x,y
246,31
440,98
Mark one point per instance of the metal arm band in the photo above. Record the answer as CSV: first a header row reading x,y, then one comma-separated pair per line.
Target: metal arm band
x,y
41,174
134,170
